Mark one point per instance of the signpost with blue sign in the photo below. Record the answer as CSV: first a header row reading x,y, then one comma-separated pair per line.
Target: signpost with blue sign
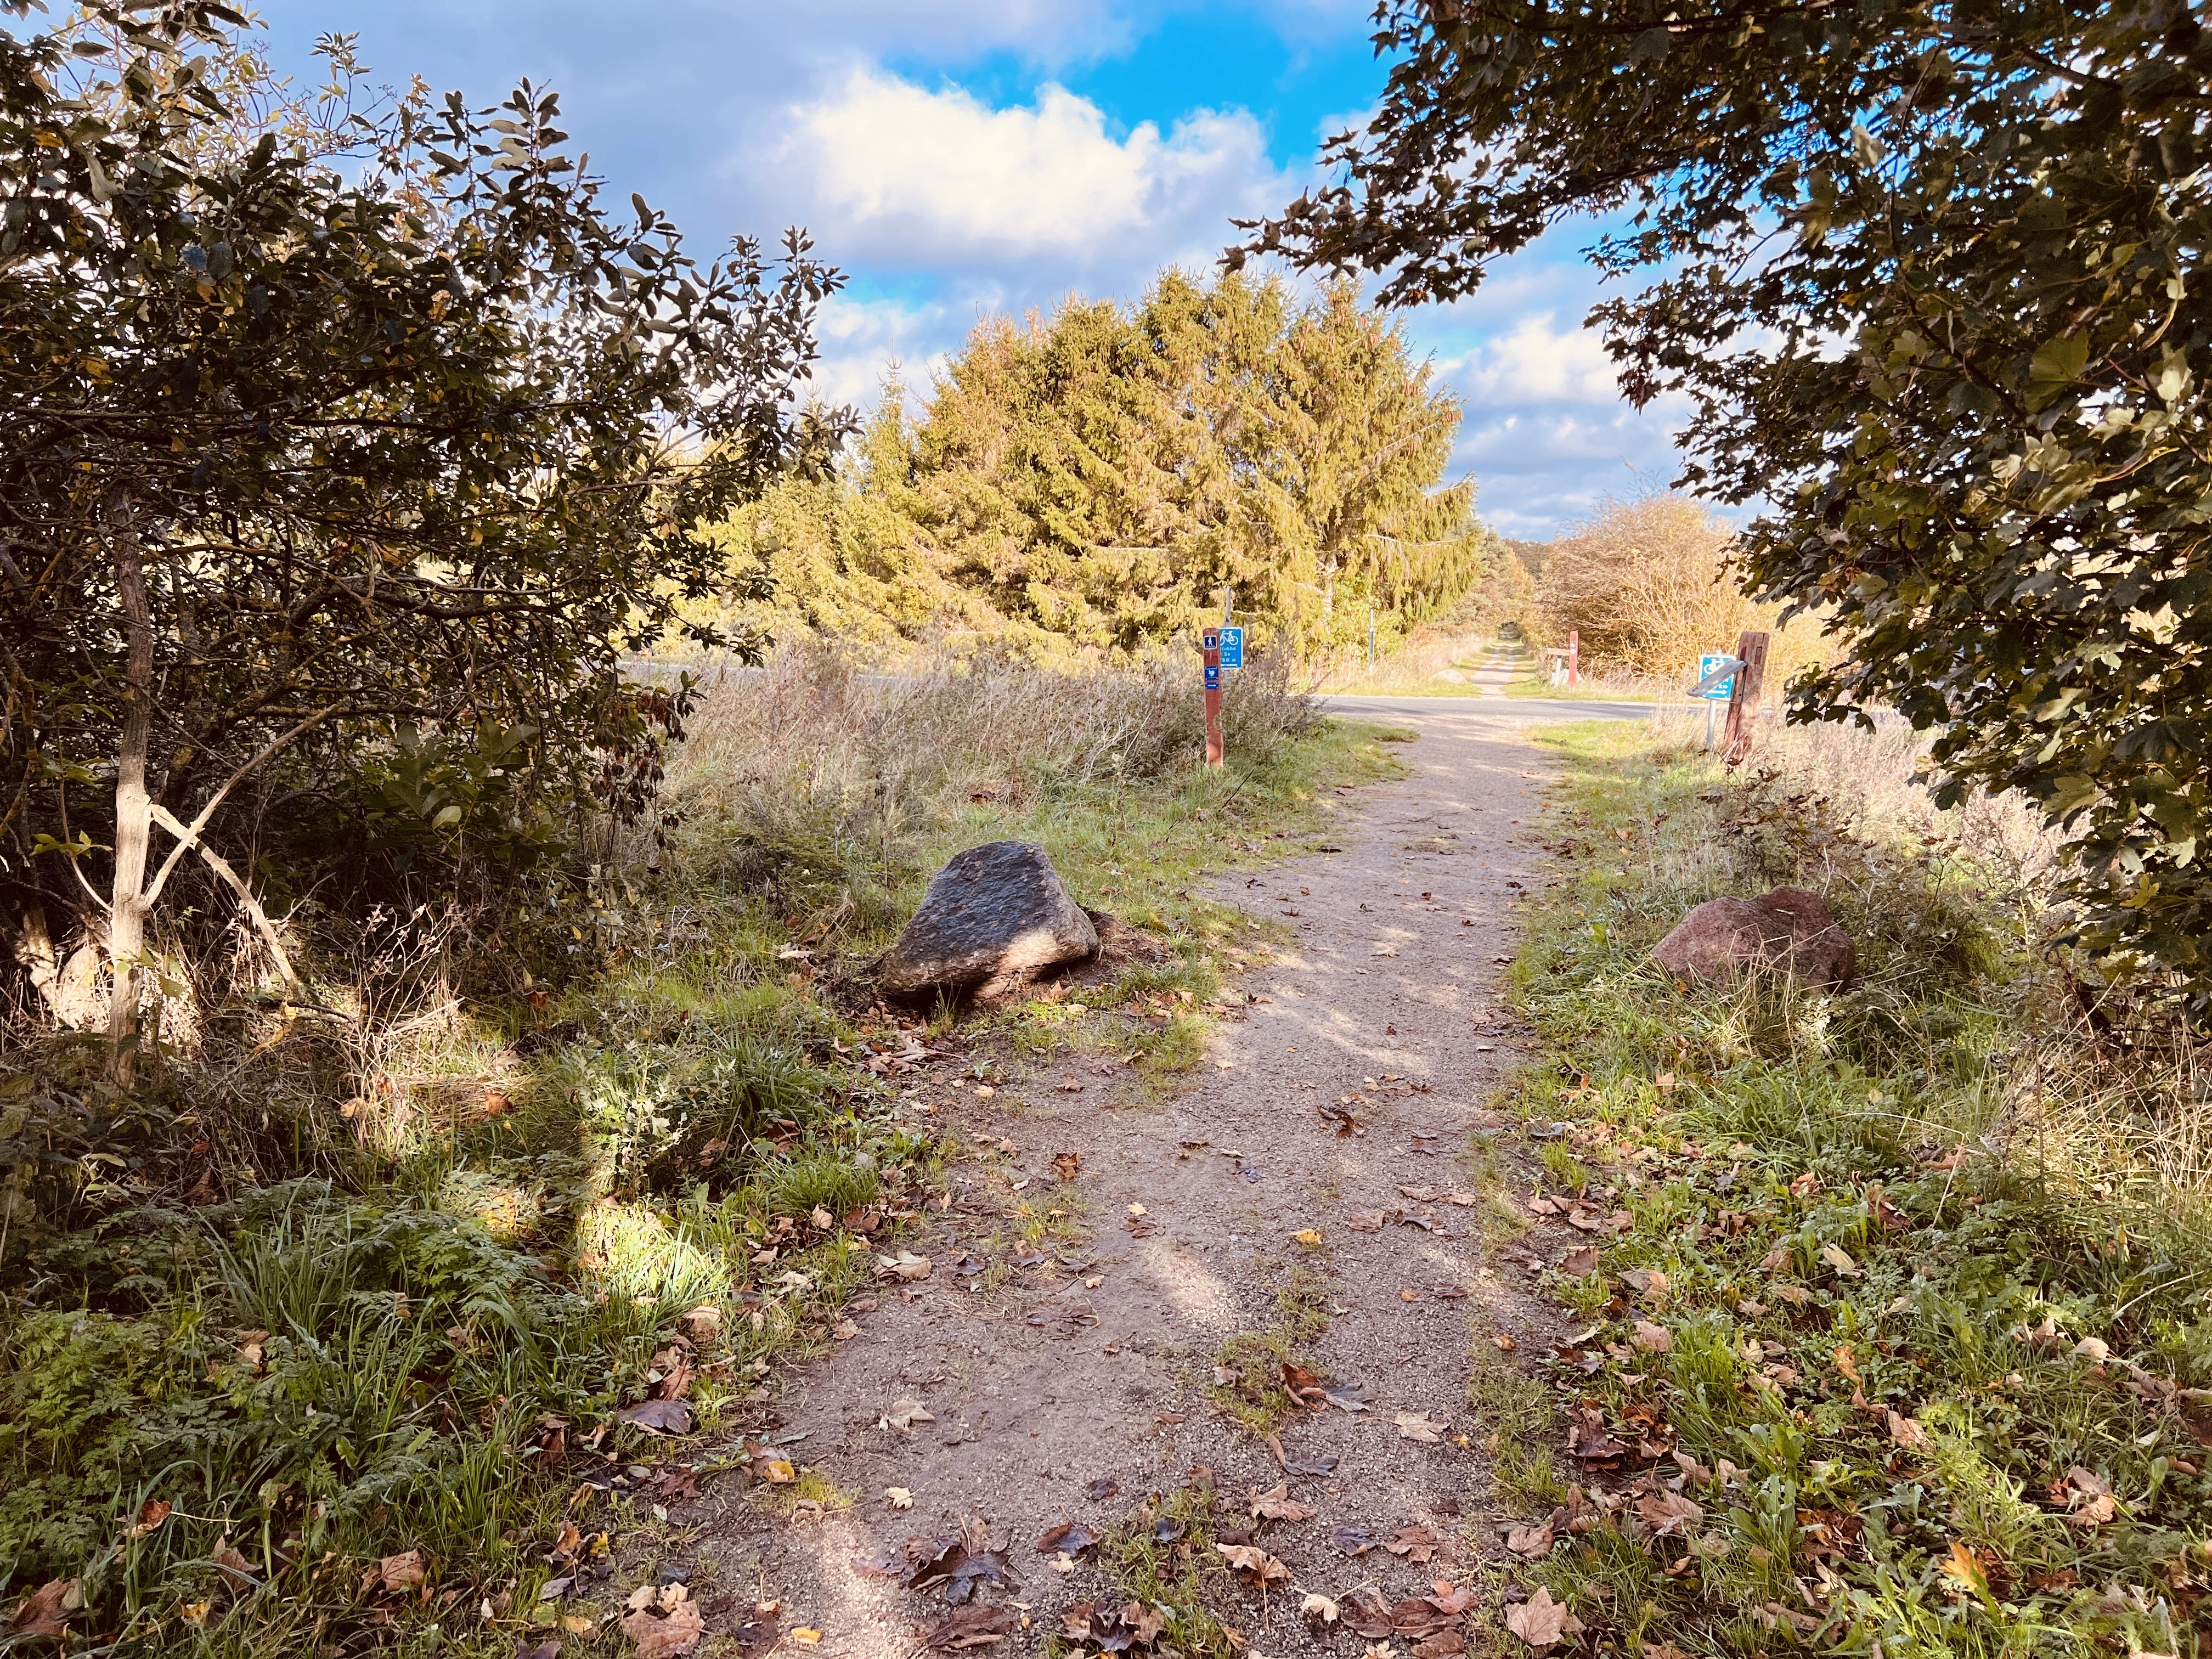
x,y
1720,690
1232,647
1209,645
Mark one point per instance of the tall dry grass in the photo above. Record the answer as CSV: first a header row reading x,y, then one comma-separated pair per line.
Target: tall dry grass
x,y
1645,583
835,786
2103,1091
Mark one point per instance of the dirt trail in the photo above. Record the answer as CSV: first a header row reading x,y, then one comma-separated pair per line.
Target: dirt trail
x,y
1048,1384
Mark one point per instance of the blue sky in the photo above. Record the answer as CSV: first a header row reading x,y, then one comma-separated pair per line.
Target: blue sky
x,y
959,157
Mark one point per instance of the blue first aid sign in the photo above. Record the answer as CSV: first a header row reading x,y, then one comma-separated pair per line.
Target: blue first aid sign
x,y
1706,664
1232,647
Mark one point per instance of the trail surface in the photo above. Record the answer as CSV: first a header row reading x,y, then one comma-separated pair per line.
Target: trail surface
x,y
1071,1388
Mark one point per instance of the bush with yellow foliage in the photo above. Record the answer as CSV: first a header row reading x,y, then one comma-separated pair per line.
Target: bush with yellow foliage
x,y
1647,584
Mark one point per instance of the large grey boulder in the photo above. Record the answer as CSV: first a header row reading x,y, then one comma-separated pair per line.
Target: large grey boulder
x,y
995,915
1786,930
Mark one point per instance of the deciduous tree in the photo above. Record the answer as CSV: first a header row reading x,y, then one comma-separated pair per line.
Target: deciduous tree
x,y
1932,271
310,451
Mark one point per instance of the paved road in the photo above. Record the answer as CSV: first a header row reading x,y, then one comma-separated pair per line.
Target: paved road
x,y
1487,708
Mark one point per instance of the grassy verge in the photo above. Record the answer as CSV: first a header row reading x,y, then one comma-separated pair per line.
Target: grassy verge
x,y
1894,1336
323,1337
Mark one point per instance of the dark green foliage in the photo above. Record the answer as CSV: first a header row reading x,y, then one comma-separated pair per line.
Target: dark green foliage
x,y
334,435
1094,481
1930,272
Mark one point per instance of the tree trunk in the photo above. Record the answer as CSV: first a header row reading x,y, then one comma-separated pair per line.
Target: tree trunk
x,y
127,929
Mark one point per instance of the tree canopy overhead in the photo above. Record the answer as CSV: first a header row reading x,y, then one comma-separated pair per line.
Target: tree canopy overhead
x,y
1931,274
350,455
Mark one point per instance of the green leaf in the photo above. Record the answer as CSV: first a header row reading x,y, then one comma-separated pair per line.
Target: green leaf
x,y
2059,364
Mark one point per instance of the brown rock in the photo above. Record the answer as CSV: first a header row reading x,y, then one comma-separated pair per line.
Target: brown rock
x,y
1787,931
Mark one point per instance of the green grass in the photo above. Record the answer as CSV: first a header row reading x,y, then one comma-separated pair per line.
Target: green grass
x,y
1248,1386
1163,1554
1814,1177
407,1320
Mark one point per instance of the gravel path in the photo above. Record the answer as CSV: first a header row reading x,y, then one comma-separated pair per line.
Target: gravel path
x,y
1072,1388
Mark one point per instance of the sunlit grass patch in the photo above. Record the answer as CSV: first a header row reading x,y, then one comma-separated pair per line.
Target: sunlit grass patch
x,y
1922,1364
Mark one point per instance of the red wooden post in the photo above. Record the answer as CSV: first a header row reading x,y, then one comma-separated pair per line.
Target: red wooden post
x,y
1743,698
1574,658
1210,651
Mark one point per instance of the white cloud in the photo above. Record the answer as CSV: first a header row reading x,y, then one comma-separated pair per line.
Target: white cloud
x,y
927,176
1536,362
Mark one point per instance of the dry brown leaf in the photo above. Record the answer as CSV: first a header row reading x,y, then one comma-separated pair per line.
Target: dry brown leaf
x,y
905,1267
1415,1543
1419,1425
1539,1621
1652,1338
1445,1644
1256,1565
1906,1432
1579,1263
1531,1541
1277,1504
1067,1165
1318,1610
45,1612
665,1636
1667,1512
971,1626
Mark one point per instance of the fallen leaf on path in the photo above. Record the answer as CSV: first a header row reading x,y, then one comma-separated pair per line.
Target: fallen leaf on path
x,y
151,1515
774,1471
970,1627
905,1414
1415,1543
1364,1612
1309,1236
951,1566
1317,1610
1070,1537
1277,1504
1539,1621
1419,1425
805,1633
899,1497
1652,1338
1347,1397
1371,1223
1840,1259
1445,1644
1103,1487
1255,1565
1352,1540
1649,1284
1532,1540
906,1266
1067,1165
666,1635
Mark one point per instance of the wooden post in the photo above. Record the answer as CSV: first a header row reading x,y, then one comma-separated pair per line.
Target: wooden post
x,y
1743,698
1210,651
1574,658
